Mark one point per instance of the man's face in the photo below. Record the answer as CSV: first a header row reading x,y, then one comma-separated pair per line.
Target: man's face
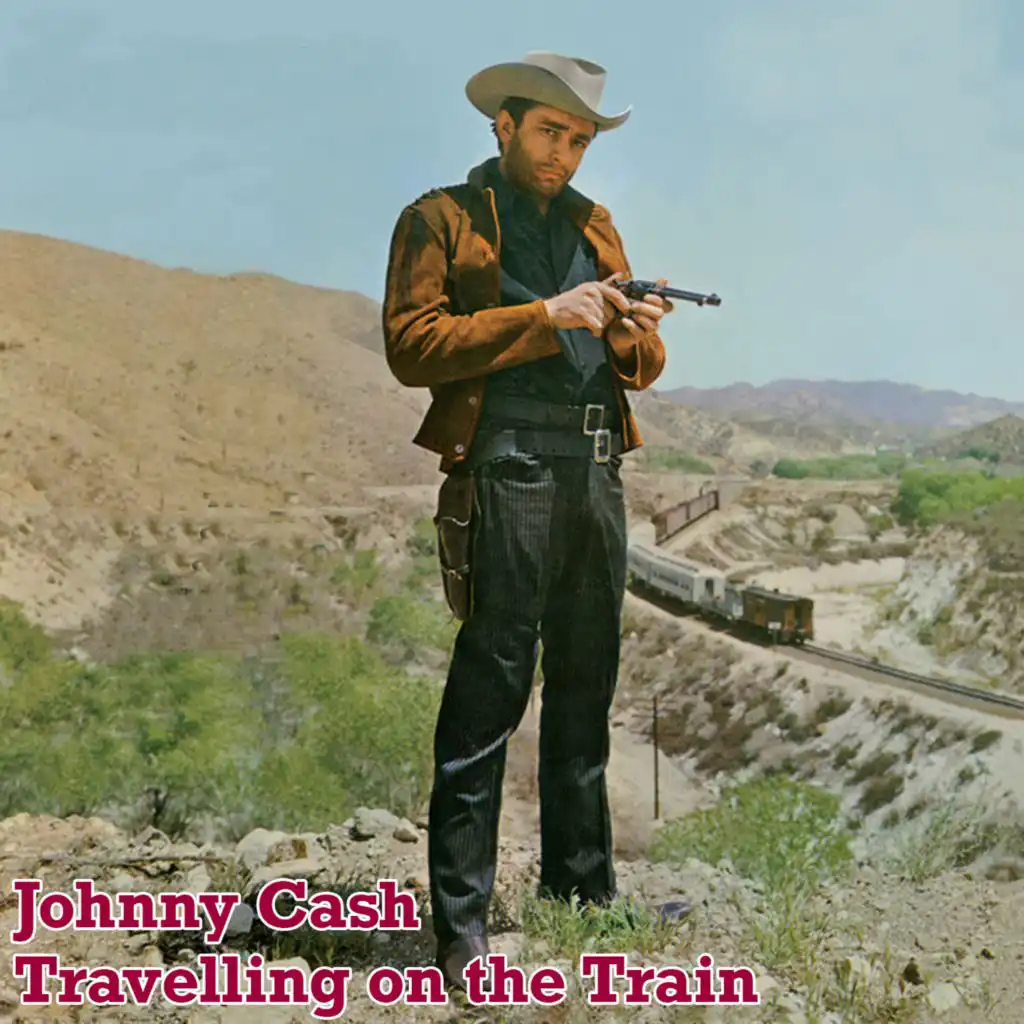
x,y
545,151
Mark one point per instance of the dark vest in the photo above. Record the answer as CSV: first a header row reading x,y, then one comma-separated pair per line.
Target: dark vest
x,y
542,256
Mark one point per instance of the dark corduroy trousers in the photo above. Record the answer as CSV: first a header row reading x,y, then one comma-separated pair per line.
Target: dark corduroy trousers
x,y
549,566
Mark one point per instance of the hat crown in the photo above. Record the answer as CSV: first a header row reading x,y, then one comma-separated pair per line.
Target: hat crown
x,y
584,77
571,84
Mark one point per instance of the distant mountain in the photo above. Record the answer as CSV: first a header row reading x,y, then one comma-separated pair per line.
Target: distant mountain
x,y
863,403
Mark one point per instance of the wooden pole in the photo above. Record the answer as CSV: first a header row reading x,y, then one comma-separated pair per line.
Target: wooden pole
x,y
654,736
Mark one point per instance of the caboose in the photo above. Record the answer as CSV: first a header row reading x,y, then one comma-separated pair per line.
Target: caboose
x,y
785,618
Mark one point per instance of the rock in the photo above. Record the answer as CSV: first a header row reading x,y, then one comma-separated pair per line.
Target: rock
x,y
240,921
944,997
1005,869
369,823
135,944
198,879
253,851
122,881
308,869
756,716
708,732
152,957
406,832
153,838
510,945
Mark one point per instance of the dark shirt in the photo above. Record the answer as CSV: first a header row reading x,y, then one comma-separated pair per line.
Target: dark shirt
x,y
547,255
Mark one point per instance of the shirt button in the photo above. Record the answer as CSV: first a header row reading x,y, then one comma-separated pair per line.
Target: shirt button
x,y
472,399
460,448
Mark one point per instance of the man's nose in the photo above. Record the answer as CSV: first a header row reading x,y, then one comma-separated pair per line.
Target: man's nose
x,y
563,155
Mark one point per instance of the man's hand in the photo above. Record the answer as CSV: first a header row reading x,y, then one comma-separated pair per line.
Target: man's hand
x,y
593,306
641,317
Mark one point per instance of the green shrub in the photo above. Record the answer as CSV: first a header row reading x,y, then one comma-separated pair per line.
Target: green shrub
x,y
927,498
410,623
297,737
844,467
21,642
777,831
668,460
362,735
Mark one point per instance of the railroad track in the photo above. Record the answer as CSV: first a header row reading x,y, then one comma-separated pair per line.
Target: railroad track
x,y
674,521
988,700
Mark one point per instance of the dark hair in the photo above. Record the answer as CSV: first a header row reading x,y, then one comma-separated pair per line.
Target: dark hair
x,y
516,107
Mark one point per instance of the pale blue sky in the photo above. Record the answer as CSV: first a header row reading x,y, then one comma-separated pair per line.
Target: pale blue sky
x,y
848,176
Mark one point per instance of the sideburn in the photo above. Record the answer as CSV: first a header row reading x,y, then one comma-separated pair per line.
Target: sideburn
x,y
516,164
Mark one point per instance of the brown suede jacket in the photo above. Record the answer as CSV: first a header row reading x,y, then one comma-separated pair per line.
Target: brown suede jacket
x,y
444,328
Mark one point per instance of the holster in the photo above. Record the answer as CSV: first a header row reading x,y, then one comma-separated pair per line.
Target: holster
x,y
455,522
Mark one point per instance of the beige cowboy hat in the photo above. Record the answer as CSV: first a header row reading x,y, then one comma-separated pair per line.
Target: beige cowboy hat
x,y
566,83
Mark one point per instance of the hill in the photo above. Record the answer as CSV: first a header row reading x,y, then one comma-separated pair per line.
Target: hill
x,y
999,441
733,445
131,386
862,403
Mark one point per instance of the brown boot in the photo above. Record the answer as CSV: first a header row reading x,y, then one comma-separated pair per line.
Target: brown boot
x,y
454,957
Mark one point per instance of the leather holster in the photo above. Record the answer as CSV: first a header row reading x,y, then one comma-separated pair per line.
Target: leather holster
x,y
455,522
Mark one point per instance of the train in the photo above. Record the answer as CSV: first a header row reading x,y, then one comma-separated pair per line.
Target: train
x,y
778,617
669,522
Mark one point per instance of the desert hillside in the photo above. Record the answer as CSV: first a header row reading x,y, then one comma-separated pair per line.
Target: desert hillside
x,y
730,445
999,441
132,386
862,403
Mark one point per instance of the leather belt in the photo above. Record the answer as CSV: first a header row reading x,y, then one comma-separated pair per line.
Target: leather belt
x,y
583,418
571,430
601,446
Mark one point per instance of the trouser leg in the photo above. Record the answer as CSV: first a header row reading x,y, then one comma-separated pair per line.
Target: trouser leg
x,y
581,637
487,690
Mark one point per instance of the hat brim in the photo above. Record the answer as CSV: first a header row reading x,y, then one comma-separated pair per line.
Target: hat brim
x,y
489,88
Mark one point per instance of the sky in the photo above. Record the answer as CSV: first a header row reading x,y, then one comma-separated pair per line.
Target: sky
x,y
848,177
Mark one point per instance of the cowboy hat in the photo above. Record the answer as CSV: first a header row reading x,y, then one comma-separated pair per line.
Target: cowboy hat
x,y
566,83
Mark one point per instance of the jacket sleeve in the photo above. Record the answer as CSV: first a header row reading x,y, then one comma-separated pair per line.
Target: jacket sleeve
x,y
637,362
425,343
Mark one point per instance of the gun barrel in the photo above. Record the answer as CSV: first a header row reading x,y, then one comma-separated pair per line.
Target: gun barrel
x,y
685,296
637,289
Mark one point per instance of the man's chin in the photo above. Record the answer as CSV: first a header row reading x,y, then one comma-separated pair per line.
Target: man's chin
x,y
550,186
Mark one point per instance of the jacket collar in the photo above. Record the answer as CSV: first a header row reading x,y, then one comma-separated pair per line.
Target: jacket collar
x,y
578,206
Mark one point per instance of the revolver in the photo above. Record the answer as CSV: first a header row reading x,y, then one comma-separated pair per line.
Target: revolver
x,y
636,290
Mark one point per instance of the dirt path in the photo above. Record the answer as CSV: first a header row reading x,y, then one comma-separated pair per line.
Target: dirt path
x,y
630,787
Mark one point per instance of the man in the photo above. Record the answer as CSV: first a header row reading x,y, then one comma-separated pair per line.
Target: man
x,y
500,299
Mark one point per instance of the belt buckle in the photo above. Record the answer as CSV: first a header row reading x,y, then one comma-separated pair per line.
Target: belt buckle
x,y
602,435
587,410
